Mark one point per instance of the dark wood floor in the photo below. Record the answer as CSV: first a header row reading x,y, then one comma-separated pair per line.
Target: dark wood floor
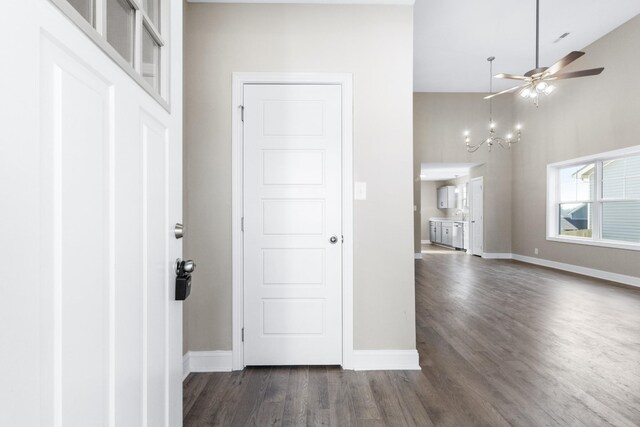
x,y
500,342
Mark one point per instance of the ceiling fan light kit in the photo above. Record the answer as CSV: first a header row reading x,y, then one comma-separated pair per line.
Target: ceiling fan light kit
x,y
538,81
492,139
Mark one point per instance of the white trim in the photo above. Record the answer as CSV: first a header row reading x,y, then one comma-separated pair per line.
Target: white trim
x,y
607,155
417,256
327,2
487,255
425,242
602,243
592,272
346,81
206,361
386,360
185,366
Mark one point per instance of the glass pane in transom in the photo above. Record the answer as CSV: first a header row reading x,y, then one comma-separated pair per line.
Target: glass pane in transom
x,y
120,27
150,59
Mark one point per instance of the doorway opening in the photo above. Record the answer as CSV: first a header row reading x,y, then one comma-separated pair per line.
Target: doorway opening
x,y
444,207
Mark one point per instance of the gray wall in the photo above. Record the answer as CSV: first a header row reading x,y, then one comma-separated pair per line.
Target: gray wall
x,y
375,43
582,117
439,122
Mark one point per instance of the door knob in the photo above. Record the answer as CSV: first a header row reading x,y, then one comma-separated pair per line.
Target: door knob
x,y
189,266
185,267
333,240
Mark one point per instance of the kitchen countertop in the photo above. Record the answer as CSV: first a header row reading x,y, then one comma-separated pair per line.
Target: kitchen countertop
x,y
448,219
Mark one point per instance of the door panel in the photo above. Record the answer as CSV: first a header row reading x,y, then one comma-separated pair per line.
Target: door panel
x,y
292,206
108,162
77,104
156,279
477,217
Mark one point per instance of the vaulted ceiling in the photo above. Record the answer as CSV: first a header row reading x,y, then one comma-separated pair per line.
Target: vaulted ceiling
x,y
453,38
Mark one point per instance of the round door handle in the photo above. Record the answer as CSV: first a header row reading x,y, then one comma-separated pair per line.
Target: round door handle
x,y
333,240
184,267
189,266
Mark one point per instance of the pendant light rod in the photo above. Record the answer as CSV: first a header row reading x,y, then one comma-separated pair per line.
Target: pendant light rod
x,y
490,59
537,34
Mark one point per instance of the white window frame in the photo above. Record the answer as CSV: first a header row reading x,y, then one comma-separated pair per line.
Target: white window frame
x,y
97,35
553,196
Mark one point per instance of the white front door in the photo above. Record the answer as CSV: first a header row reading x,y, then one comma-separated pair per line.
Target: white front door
x,y
96,192
292,225
477,216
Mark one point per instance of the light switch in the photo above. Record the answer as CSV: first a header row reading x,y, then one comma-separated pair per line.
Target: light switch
x,y
360,191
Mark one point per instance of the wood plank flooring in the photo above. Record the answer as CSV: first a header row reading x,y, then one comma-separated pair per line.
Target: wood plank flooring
x,y
501,343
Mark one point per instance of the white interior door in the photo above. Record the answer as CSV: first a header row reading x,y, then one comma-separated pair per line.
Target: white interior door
x,y
101,182
292,225
477,216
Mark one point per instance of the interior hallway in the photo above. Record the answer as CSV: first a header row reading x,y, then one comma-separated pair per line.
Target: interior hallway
x,y
500,342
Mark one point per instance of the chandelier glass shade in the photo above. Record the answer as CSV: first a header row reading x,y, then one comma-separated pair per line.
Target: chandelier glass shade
x,y
536,88
493,139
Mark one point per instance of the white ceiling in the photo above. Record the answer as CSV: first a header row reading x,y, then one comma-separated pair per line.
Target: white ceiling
x,y
453,38
444,171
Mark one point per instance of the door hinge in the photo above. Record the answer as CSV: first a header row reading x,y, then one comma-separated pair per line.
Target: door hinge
x,y
242,224
242,113
342,239
242,332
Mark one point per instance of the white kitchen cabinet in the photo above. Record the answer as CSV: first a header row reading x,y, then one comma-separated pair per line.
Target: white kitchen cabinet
x,y
457,237
433,232
447,197
465,236
447,233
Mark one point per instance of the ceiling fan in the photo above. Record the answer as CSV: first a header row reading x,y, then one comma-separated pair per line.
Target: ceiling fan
x,y
538,80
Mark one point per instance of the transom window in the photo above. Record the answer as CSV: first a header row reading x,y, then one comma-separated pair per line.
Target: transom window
x,y
596,200
130,32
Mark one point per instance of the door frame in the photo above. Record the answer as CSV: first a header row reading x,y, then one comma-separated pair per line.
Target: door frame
x,y
345,80
471,226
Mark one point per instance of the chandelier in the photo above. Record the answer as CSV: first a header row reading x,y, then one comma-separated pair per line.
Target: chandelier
x,y
492,139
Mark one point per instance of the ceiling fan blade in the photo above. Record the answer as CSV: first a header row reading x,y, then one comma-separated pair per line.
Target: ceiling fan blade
x,y
510,77
563,63
513,89
574,74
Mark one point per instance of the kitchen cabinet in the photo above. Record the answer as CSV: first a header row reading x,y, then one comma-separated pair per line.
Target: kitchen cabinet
x,y
465,236
435,233
457,237
447,233
447,197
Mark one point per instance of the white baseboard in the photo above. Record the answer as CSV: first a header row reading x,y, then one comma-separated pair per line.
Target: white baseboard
x,y
425,242
417,256
206,361
385,360
599,274
363,360
185,366
488,255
